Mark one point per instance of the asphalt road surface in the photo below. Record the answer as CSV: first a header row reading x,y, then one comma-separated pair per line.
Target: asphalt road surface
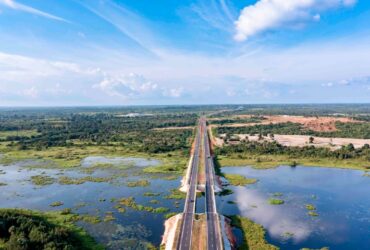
x,y
184,242
214,237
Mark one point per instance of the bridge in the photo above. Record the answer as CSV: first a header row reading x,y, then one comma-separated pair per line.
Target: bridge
x,y
214,236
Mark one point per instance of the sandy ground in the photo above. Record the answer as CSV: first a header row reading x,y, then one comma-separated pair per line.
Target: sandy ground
x,y
320,124
174,128
199,239
168,239
303,140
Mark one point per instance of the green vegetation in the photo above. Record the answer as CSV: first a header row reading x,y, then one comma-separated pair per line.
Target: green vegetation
x,y
312,213
310,207
28,230
176,195
231,120
131,203
149,194
89,218
108,217
239,180
273,201
3,184
42,180
169,215
65,180
253,234
57,204
344,130
139,183
272,154
277,194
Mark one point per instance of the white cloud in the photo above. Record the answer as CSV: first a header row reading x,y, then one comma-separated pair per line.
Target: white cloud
x,y
174,92
126,86
271,14
21,7
32,92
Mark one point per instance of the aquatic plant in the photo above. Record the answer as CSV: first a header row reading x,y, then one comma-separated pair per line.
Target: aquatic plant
x,y
42,180
139,183
57,204
312,213
310,207
176,195
273,201
239,180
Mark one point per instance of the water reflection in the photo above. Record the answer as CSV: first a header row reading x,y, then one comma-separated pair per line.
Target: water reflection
x,y
340,197
130,230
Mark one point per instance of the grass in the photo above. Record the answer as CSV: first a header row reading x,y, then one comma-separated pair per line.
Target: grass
x,y
176,195
253,234
70,157
169,215
66,221
273,201
131,203
42,180
65,180
89,219
57,204
239,180
139,183
310,207
272,161
108,217
150,194
20,133
313,214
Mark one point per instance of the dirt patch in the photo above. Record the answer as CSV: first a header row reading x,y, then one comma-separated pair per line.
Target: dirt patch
x,y
174,128
199,236
169,239
303,140
319,124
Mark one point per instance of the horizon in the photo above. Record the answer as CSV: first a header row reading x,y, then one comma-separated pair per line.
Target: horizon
x,y
79,53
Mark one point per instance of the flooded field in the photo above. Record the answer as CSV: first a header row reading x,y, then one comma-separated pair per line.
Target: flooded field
x,y
321,207
94,191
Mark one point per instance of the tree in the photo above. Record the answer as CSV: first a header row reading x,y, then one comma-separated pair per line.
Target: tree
x,y
311,140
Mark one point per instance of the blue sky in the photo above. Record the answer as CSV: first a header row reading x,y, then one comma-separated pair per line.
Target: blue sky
x,y
129,52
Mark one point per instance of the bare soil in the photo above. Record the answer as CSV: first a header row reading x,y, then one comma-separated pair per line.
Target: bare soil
x,y
319,124
303,140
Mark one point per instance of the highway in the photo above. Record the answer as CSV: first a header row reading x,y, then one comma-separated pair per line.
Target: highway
x,y
184,242
214,237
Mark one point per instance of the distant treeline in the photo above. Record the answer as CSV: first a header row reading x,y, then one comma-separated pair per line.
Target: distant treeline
x,y
344,130
274,148
137,133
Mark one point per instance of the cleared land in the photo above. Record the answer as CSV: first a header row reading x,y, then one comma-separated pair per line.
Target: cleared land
x,y
302,140
319,124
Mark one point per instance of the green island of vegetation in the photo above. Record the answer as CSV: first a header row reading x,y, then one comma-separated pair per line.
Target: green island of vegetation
x,y
28,230
273,201
239,180
176,195
253,234
42,180
138,183
310,207
131,203
57,204
313,214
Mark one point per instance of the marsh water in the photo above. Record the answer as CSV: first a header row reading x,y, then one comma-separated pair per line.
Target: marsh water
x,y
341,199
340,196
131,229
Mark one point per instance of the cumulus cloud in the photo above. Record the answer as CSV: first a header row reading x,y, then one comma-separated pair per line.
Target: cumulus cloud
x,y
271,14
21,7
126,86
